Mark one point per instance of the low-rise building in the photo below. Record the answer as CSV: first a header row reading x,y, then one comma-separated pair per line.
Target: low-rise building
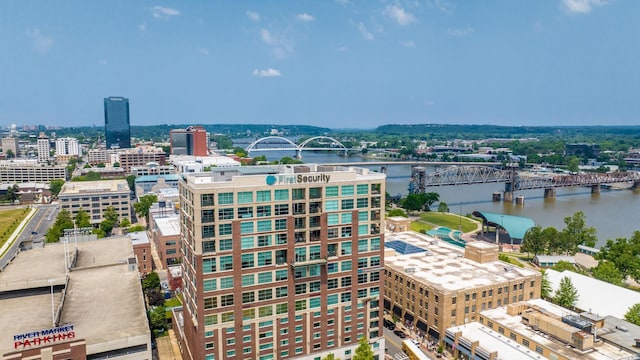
x,y
30,171
431,285
140,156
95,197
531,329
547,261
142,251
165,233
174,276
153,169
196,164
152,183
92,310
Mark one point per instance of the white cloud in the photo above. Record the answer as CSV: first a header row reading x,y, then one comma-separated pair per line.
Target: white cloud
x,y
399,15
266,36
42,43
267,73
304,17
364,32
253,16
460,31
161,12
103,62
203,51
409,44
142,27
443,5
581,6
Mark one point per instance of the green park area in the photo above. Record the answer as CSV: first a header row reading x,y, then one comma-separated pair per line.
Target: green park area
x,y
9,221
429,220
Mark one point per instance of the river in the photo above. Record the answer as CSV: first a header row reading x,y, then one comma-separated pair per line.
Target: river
x,y
613,213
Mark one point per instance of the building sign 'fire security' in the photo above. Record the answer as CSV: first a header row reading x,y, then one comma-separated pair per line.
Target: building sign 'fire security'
x,y
298,179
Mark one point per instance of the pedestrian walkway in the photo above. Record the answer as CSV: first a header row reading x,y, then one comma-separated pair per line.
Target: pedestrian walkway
x,y
168,347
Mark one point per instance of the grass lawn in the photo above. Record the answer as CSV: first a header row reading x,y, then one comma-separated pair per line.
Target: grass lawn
x,y
172,302
419,226
9,221
451,221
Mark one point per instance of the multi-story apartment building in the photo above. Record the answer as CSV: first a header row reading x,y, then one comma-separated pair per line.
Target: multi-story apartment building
x,y
153,169
29,171
431,285
67,146
95,197
193,140
44,148
141,155
281,262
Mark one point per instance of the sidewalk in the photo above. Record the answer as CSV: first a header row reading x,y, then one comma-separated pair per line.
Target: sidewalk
x,y
17,232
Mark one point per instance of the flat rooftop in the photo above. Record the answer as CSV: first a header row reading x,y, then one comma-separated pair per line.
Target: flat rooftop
x,y
491,341
444,266
103,301
168,226
72,188
138,238
602,351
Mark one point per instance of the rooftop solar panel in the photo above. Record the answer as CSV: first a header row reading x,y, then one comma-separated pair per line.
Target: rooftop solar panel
x,y
403,248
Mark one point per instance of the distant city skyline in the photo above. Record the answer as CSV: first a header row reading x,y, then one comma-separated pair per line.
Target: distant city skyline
x,y
336,64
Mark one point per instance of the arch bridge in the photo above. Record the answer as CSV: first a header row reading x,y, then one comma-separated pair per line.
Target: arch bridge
x,y
284,144
474,174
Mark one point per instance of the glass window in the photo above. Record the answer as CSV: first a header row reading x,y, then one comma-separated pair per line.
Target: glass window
x,y
281,224
332,219
363,189
282,291
246,227
247,261
375,244
331,191
314,303
363,216
207,215
225,244
208,246
247,242
346,248
224,229
264,225
206,199
226,263
245,212
264,240
345,218
301,305
208,231
265,277
226,282
209,284
226,300
263,210
245,197
347,204
281,194
332,299
225,198
345,265
363,245
248,280
363,229
363,203
265,258
347,190
208,265
263,196
281,275
248,297
331,205
282,308
282,209
265,294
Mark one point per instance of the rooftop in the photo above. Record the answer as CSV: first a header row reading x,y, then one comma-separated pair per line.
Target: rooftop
x,y
444,266
516,226
100,186
491,341
154,178
138,238
602,351
595,295
168,226
103,296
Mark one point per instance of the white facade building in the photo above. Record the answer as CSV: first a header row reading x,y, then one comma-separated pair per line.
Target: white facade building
x,y
67,146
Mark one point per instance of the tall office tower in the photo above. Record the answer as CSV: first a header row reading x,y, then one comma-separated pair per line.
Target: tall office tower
x,y
193,140
44,148
67,146
281,262
117,130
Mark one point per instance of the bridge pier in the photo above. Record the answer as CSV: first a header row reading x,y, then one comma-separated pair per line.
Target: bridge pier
x,y
298,154
508,196
595,189
383,169
636,185
549,193
496,196
520,200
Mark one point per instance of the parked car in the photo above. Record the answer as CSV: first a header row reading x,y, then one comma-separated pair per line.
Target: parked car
x,y
400,334
389,324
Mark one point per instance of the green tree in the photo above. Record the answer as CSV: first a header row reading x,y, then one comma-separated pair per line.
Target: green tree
x,y
240,152
10,154
573,164
151,281
157,317
552,239
624,254
534,242
87,166
363,351
143,206
429,199
125,223
607,271
116,164
63,221
545,286
412,202
110,220
577,233
55,186
633,314
442,207
82,219
567,294
562,265
330,356
12,193
397,212
131,181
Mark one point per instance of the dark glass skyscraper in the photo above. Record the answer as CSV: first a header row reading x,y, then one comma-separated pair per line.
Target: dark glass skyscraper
x,y
116,122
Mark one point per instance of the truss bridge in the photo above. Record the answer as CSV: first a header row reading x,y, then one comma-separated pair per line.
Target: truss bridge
x,y
513,179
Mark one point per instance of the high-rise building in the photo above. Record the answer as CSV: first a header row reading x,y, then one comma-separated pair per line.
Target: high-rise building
x,y
193,140
10,143
281,262
116,122
44,148
67,146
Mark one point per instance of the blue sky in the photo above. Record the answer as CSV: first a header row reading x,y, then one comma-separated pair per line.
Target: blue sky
x,y
333,63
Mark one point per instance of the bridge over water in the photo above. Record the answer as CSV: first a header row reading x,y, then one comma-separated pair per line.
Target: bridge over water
x,y
279,143
513,179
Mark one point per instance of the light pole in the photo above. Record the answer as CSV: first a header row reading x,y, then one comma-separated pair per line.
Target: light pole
x,y
460,216
53,311
502,222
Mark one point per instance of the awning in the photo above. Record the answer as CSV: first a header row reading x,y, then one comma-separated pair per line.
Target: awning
x,y
422,326
408,317
434,333
397,310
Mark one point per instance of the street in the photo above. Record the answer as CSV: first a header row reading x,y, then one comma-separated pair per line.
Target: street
x,y
41,221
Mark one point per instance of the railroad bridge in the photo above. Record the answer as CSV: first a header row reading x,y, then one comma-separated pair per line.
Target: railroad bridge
x,y
513,179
